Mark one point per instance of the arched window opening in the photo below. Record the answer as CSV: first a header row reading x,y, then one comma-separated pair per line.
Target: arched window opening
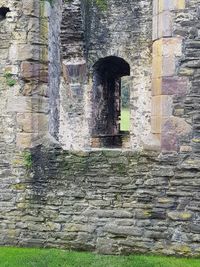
x,y
3,12
106,115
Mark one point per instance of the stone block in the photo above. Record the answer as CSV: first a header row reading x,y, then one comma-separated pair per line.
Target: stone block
x,y
33,25
24,52
175,86
4,37
35,88
179,4
173,129
31,8
180,216
162,106
34,71
184,71
28,140
171,85
169,142
32,122
24,104
33,37
165,5
168,65
19,37
157,123
4,56
185,149
152,141
23,140
164,52
165,24
74,72
37,34
172,46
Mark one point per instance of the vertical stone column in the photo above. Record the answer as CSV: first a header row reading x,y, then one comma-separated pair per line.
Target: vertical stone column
x,y
29,54
165,81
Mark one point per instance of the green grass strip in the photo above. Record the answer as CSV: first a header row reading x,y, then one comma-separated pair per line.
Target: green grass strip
x,y
23,257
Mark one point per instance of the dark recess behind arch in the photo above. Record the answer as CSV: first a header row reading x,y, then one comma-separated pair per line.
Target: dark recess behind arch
x,y
113,66
106,100
3,12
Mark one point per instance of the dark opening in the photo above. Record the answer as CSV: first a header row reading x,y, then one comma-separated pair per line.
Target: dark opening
x,y
3,12
107,100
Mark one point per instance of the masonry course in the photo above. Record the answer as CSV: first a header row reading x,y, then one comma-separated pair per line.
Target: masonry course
x,y
112,201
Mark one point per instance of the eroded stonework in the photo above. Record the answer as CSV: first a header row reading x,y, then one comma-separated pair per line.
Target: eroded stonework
x,y
113,201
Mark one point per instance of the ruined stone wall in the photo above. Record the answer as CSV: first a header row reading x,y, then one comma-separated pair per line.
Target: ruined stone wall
x,y
24,74
186,106
109,201
124,29
23,96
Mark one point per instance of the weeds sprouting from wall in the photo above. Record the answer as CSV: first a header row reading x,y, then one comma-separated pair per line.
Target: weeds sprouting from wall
x,y
27,159
9,79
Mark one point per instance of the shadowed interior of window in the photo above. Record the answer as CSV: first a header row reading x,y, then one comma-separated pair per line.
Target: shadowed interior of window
x,y
3,12
106,99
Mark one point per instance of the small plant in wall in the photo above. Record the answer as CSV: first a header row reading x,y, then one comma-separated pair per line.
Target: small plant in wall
x,y
27,159
102,4
9,79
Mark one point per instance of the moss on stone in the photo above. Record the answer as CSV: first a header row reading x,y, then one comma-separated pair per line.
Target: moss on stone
x,y
147,213
18,186
183,249
27,159
195,140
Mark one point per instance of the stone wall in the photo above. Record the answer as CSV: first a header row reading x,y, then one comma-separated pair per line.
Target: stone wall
x,y
24,73
109,201
122,29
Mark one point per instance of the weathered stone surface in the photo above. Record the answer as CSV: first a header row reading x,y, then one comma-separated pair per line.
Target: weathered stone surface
x,y
23,104
182,216
34,71
110,201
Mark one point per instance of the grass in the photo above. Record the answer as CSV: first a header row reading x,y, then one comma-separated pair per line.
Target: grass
x,y
23,257
125,120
